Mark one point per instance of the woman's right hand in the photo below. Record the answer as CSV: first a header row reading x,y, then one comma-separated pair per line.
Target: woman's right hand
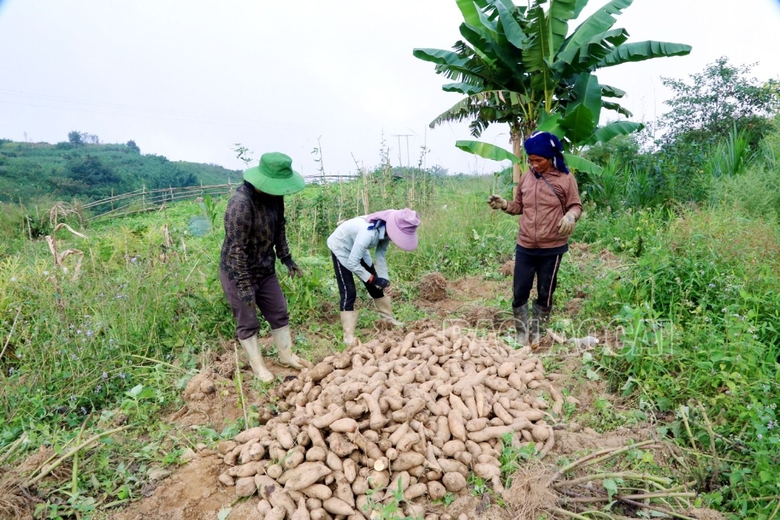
x,y
382,283
497,202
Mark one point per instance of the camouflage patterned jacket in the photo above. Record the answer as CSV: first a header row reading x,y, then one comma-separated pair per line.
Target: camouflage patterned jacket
x,y
254,228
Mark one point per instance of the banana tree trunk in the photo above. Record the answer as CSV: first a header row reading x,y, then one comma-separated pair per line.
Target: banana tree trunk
x,y
517,150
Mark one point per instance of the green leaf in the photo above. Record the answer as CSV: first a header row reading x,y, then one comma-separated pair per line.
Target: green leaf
x,y
462,88
486,45
512,30
587,91
135,391
440,57
592,375
609,105
487,151
612,130
578,7
581,164
611,486
561,12
579,123
589,54
640,51
469,11
223,513
596,24
607,91
551,123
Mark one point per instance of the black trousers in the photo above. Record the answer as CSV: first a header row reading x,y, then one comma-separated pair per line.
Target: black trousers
x,y
346,283
544,269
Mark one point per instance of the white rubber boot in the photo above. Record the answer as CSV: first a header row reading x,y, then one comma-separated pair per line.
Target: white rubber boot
x,y
252,350
283,343
385,307
349,321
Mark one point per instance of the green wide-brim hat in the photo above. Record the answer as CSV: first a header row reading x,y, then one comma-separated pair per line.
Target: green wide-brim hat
x,y
275,175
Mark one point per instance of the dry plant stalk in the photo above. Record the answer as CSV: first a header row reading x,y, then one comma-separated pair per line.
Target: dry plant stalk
x,y
8,341
660,484
14,501
64,209
59,257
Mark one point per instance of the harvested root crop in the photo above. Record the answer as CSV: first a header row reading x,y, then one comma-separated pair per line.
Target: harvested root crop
x,y
422,412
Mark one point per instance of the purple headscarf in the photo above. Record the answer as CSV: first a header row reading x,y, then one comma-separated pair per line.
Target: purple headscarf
x,y
545,144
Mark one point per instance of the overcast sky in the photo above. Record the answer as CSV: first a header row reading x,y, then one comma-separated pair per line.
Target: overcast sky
x,y
188,79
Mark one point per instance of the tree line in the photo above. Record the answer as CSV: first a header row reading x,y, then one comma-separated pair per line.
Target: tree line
x,y
84,169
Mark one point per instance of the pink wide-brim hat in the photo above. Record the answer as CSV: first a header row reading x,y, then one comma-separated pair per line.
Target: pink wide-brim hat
x,y
401,226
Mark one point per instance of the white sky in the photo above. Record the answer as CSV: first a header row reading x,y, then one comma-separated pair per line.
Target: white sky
x,y
188,79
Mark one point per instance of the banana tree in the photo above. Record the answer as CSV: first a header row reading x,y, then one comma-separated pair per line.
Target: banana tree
x,y
519,65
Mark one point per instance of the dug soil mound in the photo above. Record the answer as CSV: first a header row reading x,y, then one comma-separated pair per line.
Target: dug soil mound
x,y
433,287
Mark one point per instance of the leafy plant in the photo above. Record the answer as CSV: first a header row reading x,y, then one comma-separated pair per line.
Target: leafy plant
x,y
391,509
519,65
512,457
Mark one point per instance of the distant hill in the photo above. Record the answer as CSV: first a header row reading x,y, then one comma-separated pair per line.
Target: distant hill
x,y
87,171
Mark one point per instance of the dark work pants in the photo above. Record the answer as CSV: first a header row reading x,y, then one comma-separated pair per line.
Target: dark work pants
x,y
545,269
268,298
346,282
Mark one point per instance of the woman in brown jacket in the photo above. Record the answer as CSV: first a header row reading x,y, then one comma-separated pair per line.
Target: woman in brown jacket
x,y
548,202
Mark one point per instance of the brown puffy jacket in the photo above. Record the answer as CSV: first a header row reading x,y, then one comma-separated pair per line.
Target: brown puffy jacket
x,y
542,210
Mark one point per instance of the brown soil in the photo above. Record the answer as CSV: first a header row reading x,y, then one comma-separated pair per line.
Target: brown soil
x,y
191,493
433,287
508,269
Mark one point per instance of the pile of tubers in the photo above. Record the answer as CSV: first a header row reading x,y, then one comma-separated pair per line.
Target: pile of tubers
x,y
422,414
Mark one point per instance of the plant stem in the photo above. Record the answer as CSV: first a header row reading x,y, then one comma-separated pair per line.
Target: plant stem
x,y
115,503
12,448
11,333
48,469
601,476
774,513
241,388
568,513
654,508
74,478
597,456
158,361
711,433
640,496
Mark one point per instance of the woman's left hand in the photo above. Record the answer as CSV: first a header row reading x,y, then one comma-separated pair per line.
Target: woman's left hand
x,y
567,224
292,268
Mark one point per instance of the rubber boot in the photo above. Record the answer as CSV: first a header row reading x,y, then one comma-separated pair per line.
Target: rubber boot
x,y
252,350
385,307
283,344
541,317
349,321
521,324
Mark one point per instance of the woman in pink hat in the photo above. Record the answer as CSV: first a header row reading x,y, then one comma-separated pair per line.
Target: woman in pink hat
x,y
350,246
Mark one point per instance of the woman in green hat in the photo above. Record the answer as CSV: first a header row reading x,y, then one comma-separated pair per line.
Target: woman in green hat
x,y
254,239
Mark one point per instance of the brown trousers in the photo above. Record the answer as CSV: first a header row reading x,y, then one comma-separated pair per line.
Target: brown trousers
x,y
268,298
